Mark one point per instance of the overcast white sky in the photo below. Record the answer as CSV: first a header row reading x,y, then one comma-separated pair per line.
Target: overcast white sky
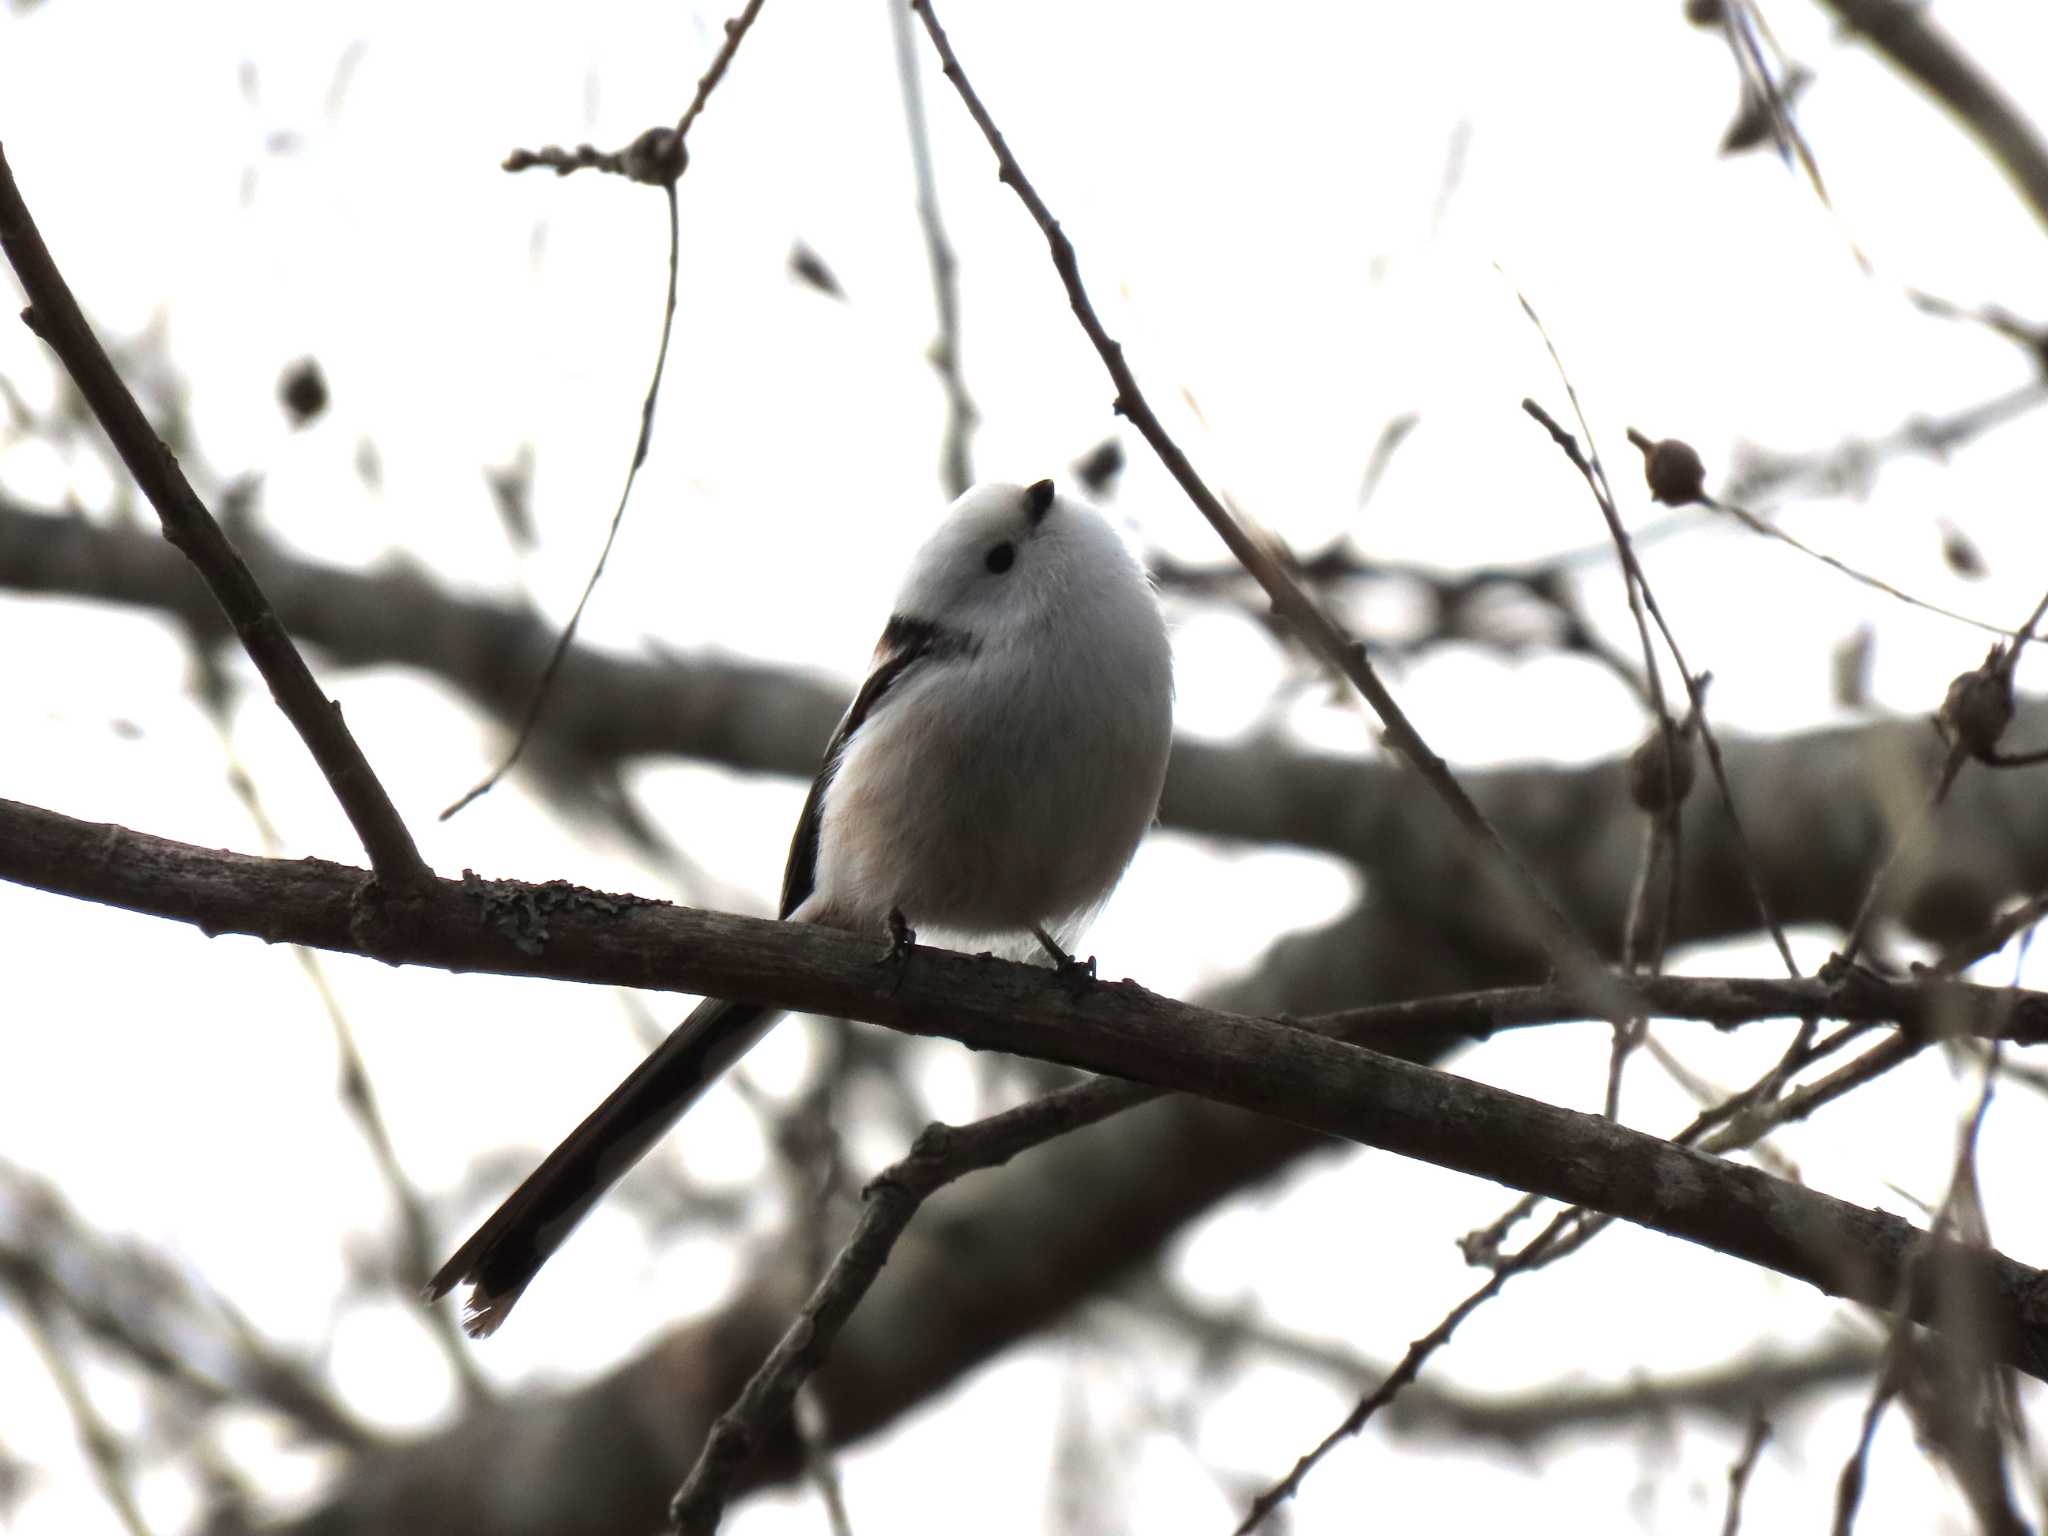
x,y
1275,216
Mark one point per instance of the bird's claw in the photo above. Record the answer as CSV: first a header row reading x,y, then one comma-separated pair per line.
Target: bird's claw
x,y
1077,976
902,940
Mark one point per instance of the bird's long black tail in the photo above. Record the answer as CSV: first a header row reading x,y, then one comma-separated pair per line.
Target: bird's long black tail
x,y
507,1251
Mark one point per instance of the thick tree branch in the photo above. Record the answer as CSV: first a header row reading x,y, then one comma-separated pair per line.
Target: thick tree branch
x,y
1909,36
1118,1029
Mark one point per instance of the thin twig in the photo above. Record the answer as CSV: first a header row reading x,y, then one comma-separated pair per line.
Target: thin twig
x,y
1705,1093
96,1439
941,1155
1746,1118
1849,1484
54,315
1695,688
1845,469
152,1311
1990,681
1629,1034
1456,601
416,1246
1772,531
1566,1234
735,33
1410,1365
1896,1374
1754,1122
1738,1474
1906,841
1523,1420
1663,833
657,157
2001,931
1566,948
545,684
956,459
1741,22
818,1464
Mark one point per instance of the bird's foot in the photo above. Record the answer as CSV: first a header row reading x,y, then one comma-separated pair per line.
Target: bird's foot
x,y
902,940
1077,976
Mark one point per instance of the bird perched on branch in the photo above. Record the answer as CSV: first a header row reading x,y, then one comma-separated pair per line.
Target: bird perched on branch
x,y
992,777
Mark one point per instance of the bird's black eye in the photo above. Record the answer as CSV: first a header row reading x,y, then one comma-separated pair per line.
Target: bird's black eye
x,y
1001,557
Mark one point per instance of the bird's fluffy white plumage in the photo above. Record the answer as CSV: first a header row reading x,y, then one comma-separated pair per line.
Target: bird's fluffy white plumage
x,y
1005,777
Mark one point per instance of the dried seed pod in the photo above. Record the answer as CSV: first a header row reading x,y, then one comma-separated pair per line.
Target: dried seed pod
x,y
1979,706
1659,780
1673,469
658,157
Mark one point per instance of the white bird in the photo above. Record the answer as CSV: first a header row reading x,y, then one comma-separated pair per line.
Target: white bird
x,y
993,776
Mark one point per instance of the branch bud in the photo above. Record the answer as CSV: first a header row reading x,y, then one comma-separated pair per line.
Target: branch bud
x,y
1979,706
1673,470
1659,779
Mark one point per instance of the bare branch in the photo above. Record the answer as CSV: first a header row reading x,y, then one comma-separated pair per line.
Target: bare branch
x,y
53,314
1752,1448
1914,42
956,458
941,1155
660,155
1118,1029
543,687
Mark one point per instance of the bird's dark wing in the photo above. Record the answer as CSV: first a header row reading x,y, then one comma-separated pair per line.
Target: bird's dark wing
x,y
906,645
507,1251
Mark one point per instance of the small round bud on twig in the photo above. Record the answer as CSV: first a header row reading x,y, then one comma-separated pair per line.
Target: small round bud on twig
x,y
1672,468
1979,706
1660,770
658,157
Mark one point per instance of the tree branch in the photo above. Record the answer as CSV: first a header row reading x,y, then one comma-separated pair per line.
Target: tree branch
x,y
1917,47
53,314
1118,1029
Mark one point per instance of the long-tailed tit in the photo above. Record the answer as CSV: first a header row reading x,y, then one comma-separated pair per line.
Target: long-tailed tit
x,y
993,776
